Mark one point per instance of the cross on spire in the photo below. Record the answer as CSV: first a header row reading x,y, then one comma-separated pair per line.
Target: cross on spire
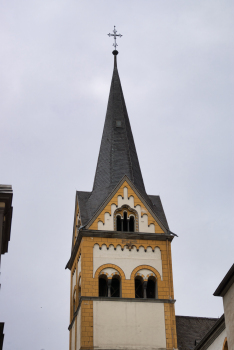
x,y
115,36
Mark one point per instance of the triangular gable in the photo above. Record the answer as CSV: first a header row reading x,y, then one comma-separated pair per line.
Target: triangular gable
x,y
112,199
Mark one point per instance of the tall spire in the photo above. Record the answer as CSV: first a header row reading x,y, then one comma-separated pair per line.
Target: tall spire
x,y
117,156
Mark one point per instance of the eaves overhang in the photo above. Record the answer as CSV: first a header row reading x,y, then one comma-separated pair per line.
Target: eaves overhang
x,y
225,284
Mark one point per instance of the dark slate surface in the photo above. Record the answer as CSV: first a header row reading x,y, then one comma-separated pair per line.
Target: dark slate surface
x,y
158,209
117,155
117,158
190,329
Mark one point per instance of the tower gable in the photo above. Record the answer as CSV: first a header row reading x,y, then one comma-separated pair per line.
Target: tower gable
x,y
126,198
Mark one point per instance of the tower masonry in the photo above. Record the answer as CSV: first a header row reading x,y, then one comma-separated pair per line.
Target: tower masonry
x,y
121,268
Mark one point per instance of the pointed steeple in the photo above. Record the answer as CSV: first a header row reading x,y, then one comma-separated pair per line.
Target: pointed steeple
x,y
117,156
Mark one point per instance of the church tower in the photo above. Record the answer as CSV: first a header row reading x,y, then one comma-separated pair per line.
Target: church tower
x,y
121,269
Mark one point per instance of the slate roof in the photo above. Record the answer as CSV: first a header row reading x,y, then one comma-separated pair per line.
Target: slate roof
x,y
226,283
191,329
117,158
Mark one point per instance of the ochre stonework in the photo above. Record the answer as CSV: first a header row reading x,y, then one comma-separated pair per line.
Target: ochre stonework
x,y
89,284
137,201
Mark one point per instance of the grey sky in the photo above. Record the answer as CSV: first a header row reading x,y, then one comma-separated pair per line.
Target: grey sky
x,y
176,68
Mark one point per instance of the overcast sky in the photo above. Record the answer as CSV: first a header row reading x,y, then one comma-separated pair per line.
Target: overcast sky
x,y
176,67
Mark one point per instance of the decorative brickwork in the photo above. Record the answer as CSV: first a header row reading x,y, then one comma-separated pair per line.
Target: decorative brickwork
x,y
137,201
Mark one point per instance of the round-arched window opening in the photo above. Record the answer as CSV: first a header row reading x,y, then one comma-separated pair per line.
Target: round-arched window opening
x,y
118,223
131,224
151,288
115,287
139,287
125,222
103,289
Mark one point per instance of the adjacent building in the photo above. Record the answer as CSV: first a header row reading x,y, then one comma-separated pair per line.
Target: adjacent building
x,y
6,194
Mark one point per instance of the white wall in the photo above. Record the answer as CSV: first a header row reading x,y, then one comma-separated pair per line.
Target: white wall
x,y
73,335
218,342
126,260
128,325
228,303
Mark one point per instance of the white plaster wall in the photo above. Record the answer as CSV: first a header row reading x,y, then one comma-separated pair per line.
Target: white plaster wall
x,y
108,223
78,331
126,260
228,303
128,325
73,337
218,342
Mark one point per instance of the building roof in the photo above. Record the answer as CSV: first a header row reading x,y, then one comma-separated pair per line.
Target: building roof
x,y
212,334
190,330
225,284
117,155
117,158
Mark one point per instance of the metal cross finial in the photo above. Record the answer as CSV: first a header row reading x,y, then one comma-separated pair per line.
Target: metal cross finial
x,y
115,36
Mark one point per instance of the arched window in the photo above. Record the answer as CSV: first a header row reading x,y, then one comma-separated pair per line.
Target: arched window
x,y
151,289
131,224
125,222
139,287
118,223
115,287
79,289
103,290
74,303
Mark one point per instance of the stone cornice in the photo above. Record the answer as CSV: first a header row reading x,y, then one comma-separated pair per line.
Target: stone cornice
x,y
115,234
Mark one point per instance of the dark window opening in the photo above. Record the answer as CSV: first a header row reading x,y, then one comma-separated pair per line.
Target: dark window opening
x,y
131,224
103,290
138,287
151,288
118,223
74,303
115,287
125,222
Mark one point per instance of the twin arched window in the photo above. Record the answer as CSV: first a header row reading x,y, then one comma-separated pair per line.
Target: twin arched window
x,y
125,224
146,289
143,289
109,287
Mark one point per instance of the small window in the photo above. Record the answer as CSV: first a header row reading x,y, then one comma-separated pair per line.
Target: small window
x,y
103,290
125,222
131,224
138,287
118,223
115,287
118,123
151,288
